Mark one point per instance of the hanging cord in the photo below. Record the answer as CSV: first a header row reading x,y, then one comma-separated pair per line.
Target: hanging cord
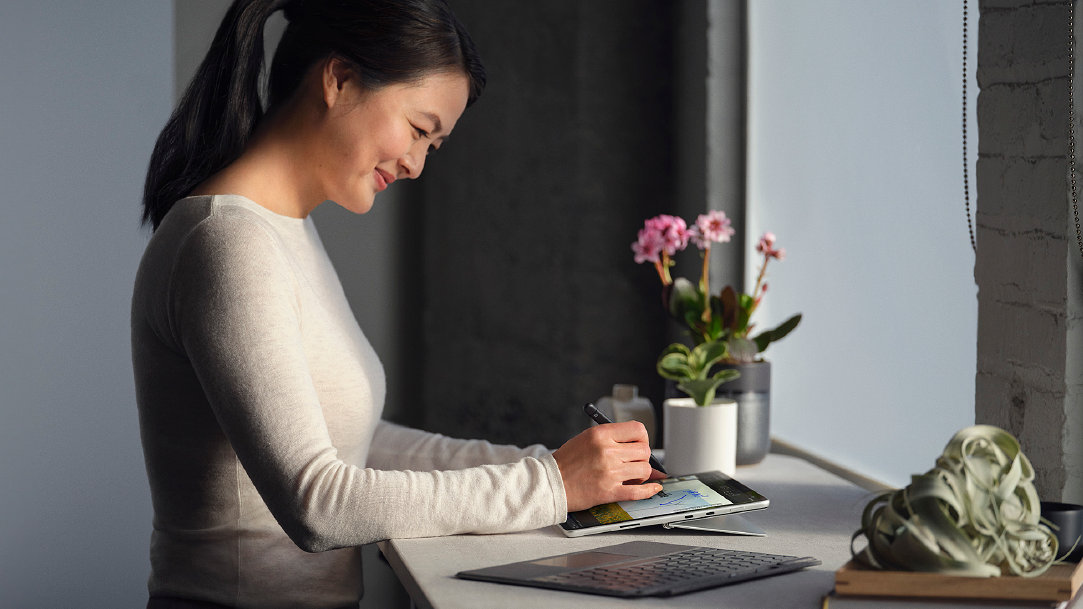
x,y
1074,182
966,165
1071,124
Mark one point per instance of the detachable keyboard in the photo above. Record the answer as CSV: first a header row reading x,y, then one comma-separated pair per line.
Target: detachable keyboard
x,y
671,570
685,571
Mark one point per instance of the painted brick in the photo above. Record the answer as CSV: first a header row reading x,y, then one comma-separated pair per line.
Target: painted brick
x,y
1012,189
1014,45
1028,373
1024,119
1036,418
991,5
1040,364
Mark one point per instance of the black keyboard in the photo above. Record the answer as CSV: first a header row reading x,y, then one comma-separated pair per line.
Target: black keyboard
x,y
677,573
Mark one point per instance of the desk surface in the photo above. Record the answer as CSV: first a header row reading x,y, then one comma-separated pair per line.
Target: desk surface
x,y
812,513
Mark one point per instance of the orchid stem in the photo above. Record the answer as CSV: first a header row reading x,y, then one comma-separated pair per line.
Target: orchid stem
x,y
705,285
759,283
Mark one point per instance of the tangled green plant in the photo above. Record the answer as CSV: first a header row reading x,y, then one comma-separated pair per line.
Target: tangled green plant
x,y
976,513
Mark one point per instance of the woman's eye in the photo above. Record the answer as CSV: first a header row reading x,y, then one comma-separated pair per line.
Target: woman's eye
x,y
421,132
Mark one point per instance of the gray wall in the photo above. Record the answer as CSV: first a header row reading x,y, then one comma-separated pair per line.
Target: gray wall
x,y
533,304
855,162
86,87
1029,269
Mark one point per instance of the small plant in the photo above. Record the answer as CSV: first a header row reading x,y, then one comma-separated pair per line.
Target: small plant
x,y
691,367
976,513
720,325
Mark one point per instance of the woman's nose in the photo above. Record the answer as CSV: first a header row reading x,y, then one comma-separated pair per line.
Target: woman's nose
x,y
413,162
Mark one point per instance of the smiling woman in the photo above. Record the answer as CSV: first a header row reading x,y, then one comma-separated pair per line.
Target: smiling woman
x,y
259,396
374,44
355,140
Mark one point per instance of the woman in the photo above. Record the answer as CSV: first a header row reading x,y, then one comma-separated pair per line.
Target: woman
x,y
259,397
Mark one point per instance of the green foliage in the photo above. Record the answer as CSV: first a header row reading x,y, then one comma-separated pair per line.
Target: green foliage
x,y
722,318
769,336
691,368
719,325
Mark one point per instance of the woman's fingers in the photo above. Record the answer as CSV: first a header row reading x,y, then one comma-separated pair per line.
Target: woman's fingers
x,y
629,431
605,464
635,492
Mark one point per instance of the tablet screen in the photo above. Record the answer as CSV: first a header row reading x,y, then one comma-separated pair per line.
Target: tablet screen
x,y
681,494
677,495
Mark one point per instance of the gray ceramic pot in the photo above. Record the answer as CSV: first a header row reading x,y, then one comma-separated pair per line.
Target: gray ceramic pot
x,y
752,392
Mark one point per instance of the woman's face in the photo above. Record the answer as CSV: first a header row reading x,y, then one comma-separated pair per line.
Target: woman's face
x,y
379,136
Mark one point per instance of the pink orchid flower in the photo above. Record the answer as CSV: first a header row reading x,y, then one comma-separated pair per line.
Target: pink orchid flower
x,y
673,230
766,246
712,227
648,248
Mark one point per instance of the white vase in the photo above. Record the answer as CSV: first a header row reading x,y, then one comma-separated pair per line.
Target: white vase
x,y
700,438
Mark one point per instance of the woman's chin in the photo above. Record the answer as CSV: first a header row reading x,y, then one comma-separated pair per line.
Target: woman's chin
x,y
358,206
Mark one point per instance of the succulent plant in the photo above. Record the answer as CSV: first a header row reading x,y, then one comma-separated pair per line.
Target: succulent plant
x,y
691,369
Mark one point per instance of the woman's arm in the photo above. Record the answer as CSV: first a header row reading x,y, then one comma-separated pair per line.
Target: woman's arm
x,y
398,447
236,315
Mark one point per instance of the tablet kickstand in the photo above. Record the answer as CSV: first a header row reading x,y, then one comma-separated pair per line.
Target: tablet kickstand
x,y
729,524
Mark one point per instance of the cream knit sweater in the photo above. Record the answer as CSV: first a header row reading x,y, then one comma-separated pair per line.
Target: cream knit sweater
x,y
259,406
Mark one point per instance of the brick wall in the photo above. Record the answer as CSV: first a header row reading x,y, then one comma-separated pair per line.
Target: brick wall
x,y
1028,261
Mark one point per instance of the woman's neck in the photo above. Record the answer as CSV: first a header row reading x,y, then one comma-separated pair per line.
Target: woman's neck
x,y
270,170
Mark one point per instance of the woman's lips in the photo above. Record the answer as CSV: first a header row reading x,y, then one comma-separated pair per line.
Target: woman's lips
x,y
383,179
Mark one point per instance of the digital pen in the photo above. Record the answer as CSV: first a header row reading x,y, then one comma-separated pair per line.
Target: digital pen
x,y
600,418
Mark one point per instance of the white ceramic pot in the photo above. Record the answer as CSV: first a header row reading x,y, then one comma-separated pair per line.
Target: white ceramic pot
x,y
700,438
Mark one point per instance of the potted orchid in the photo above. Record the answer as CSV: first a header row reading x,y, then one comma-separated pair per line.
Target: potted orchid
x,y
725,343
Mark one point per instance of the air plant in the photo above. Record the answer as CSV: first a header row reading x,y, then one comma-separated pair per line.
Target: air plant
x,y
976,514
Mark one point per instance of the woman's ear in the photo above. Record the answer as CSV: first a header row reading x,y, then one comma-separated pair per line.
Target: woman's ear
x,y
336,77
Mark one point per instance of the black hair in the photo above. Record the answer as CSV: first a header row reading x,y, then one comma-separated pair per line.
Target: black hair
x,y
384,41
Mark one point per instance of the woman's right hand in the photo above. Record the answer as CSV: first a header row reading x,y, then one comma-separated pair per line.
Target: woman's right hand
x,y
607,463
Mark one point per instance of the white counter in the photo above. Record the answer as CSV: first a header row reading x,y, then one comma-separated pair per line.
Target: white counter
x,y
812,513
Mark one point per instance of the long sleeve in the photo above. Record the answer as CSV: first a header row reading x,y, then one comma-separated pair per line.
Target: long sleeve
x,y
259,398
242,322
398,447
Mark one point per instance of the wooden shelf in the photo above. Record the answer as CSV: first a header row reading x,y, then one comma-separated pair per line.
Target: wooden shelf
x,y
1059,583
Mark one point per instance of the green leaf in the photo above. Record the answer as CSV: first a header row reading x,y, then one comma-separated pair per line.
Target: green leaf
x,y
714,329
684,298
677,348
706,355
728,301
717,312
726,375
778,333
701,391
692,320
675,363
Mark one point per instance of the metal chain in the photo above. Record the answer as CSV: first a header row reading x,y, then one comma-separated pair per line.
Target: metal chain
x,y
1071,123
966,165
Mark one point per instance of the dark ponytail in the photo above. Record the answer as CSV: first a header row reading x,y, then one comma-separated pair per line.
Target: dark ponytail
x,y
385,41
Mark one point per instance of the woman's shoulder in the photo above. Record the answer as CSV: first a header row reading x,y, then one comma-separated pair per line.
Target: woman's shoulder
x,y
222,224
234,211
215,235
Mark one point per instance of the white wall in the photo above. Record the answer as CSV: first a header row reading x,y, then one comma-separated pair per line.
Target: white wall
x,y
86,87
855,162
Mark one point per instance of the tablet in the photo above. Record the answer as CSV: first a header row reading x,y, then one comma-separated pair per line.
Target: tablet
x,y
682,498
